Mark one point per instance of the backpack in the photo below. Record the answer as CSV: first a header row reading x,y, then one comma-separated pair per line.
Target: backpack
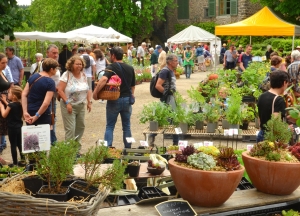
x,y
87,61
154,92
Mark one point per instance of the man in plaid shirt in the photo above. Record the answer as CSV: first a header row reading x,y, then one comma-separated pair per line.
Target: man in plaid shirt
x,y
293,71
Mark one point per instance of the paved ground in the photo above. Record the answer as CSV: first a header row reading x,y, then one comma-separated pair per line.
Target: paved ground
x,y
95,121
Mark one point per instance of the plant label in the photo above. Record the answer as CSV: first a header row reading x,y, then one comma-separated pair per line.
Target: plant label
x,y
226,132
182,144
102,142
236,131
35,138
208,143
178,130
143,143
297,130
230,132
197,145
175,207
249,147
130,139
256,133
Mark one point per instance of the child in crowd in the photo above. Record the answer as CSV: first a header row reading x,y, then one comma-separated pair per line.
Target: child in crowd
x,y
13,112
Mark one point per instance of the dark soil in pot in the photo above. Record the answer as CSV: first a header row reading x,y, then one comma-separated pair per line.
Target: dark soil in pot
x,y
79,191
58,195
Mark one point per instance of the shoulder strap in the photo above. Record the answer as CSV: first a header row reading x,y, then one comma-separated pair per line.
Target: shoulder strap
x,y
274,103
35,81
124,77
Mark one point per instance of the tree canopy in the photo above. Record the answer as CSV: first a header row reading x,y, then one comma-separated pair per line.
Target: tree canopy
x,y
123,15
289,10
11,16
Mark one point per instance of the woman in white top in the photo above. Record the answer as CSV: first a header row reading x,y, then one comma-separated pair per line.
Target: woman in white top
x,y
75,96
35,68
101,63
129,54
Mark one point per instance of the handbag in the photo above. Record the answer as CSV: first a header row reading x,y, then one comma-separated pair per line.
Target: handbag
x,y
58,96
131,98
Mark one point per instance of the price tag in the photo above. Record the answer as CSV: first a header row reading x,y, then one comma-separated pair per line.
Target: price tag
x,y
130,139
178,130
143,143
230,132
182,144
236,131
249,147
297,130
226,132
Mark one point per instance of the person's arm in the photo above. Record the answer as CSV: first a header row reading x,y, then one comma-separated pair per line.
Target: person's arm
x,y
192,56
21,76
4,112
61,91
89,100
101,83
93,71
224,61
159,85
24,102
241,63
44,106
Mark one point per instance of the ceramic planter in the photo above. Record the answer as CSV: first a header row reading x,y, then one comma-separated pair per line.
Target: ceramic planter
x,y
204,188
184,127
225,124
278,178
153,126
199,125
211,127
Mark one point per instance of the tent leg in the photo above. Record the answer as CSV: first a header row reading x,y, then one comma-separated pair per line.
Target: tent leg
x,y
250,40
215,60
293,44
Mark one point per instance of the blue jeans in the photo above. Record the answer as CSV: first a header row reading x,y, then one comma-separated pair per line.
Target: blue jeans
x,y
260,136
179,60
113,109
3,142
188,71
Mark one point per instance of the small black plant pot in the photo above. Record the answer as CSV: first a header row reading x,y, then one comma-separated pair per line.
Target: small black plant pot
x,y
77,193
30,167
244,126
133,171
32,184
58,197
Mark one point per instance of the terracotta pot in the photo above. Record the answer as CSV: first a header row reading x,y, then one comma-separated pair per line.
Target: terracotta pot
x,y
204,188
277,178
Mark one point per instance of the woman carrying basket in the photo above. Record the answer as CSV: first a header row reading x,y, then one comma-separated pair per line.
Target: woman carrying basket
x,y
75,96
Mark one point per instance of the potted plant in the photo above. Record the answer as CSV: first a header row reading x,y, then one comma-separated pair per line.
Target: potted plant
x,y
55,167
94,178
233,112
156,164
209,88
270,164
213,114
248,115
133,169
147,74
156,113
199,120
204,170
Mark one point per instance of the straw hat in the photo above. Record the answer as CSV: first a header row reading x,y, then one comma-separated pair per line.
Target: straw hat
x,y
199,44
224,44
298,47
241,46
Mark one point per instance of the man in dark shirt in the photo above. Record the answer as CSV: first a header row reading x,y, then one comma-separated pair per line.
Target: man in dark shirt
x,y
63,58
271,102
245,59
120,106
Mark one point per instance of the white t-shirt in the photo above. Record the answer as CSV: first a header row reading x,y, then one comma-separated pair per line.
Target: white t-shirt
x,y
88,71
141,51
100,65
33,67
76,89
129,53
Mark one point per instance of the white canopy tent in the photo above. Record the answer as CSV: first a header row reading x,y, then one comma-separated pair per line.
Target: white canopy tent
x,y
53,37
96,31
195,34
120,37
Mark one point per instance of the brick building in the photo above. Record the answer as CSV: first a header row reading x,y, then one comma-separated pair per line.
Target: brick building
x,y
195,11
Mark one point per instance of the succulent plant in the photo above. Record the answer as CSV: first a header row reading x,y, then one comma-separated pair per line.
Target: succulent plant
x,y
201,161
189,150
210,150
295,150
227,159
181,158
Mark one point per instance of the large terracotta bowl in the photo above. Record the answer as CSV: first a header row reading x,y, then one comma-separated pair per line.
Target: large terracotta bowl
x,y
204,188
279,178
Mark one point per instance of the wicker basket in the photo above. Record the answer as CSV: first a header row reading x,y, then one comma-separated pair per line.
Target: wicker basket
x,y
26,205
109,92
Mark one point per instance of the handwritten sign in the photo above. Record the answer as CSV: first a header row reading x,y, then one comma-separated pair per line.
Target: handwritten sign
x,y
175,208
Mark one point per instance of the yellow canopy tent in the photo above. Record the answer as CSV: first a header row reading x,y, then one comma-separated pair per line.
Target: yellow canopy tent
x,y
263,23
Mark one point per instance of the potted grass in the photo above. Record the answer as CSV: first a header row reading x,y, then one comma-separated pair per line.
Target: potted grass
x,y
55,167
96,179
270,164
233,112
247,116
133,169
156,113
204,168
212,113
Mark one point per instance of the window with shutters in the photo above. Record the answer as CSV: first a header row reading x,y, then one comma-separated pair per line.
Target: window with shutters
x,y
227,7
183,9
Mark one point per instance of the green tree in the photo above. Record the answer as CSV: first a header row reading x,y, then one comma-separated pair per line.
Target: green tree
x,y
123,15
11,16
289,10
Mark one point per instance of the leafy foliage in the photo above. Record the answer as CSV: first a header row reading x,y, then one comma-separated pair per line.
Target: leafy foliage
x,y
207,26
11,16
233,112
212,112
155,111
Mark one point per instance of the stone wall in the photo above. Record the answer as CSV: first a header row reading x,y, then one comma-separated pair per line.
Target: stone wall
x,y
197,14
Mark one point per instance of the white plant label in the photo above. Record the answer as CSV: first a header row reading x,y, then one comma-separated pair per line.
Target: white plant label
x,y
208,143
99,142
182,144
297,130
143,143
197,145
130,139
249,147
230,132
256,133
178,130
226,132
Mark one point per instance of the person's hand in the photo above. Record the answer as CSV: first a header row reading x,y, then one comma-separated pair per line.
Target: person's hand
x,y
20,83
69,108
89,107
93,78
3,98
26,116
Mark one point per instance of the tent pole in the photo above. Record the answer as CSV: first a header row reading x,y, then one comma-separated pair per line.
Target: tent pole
x,y
293,44
215,60
250,40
